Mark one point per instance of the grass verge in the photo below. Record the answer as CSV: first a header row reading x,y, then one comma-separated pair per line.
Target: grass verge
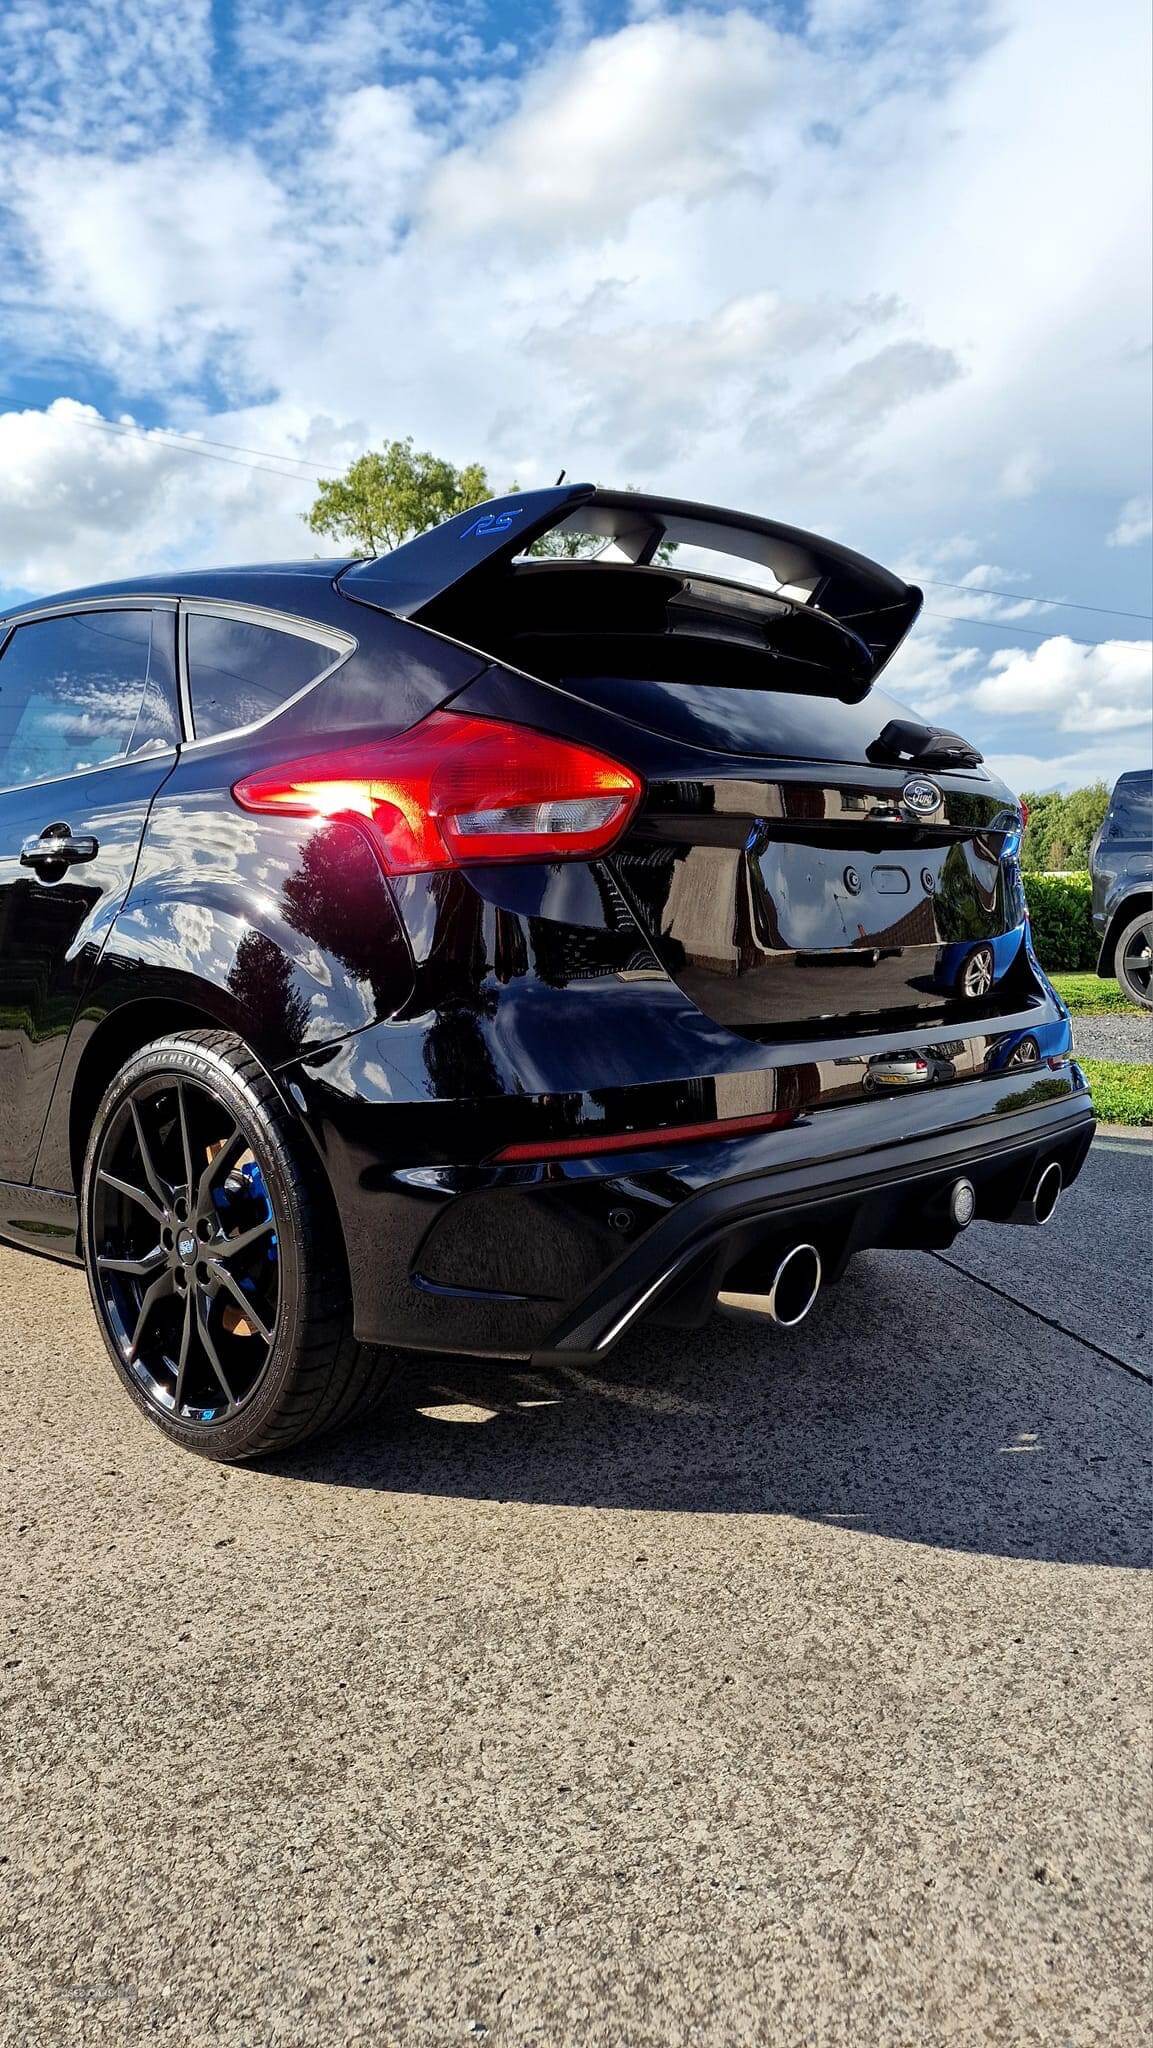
x,y
1122,1090
1087,996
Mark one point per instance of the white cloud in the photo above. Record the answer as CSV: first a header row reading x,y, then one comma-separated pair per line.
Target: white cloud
x,y
1134,523
1072,768
665,109
122,69
1070,686
929,672
848,274
82,504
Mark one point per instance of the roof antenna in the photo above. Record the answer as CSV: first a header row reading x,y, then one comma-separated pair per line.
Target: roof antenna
x,y
560,479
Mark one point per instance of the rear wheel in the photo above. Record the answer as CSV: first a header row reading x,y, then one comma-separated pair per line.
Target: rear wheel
x,y
1133,959
213,1257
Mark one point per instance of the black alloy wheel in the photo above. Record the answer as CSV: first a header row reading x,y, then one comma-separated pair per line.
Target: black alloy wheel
x,y
1133,960
186,1250
213,1260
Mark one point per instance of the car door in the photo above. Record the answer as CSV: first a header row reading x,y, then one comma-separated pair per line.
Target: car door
x,y
88,732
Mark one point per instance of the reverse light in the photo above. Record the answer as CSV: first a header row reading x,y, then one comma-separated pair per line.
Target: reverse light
x,y
639,1141
457,789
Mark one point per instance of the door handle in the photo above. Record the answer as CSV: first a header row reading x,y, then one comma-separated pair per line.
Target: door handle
x,y
57,849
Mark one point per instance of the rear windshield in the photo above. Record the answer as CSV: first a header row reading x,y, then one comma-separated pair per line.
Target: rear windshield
x,y
734,721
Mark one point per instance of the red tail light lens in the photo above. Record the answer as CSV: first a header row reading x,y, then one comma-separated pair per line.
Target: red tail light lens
x,y
1023,807
457,789
639,1141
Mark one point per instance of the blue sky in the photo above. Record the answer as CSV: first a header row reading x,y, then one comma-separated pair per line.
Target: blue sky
x,y
878,267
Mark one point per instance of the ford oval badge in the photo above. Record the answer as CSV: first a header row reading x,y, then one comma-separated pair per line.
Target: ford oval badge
x,y
921,797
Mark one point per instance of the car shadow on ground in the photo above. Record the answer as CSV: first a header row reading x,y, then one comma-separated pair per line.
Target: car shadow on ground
x,y
911,1404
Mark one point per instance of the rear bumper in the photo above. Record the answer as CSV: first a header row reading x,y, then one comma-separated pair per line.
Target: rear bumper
x,y
886,1196
558,1260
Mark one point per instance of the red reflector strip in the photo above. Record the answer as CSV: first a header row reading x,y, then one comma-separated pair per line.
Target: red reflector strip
x,y
637,1141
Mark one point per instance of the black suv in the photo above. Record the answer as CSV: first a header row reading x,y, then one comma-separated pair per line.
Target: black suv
x,y
478,949
1121,863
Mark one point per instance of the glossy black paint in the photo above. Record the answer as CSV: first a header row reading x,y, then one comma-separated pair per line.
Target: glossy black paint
x,y
55,919
773,923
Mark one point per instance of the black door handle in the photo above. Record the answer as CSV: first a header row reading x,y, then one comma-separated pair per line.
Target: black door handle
x,y
58,848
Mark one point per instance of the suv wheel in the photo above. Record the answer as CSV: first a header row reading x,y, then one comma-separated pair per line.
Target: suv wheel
x,y
214,1262
1133,959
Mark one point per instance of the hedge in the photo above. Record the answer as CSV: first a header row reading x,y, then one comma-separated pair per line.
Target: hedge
x,y
1059,909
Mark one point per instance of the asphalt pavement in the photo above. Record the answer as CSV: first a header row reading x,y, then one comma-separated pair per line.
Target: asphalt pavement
x,y
757,1689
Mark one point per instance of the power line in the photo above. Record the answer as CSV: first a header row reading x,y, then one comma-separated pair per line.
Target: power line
x,y
1063,603
182,446
1003,626
203,446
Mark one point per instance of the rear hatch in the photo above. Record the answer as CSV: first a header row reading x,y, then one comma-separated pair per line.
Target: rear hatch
x,y
792,897
809,858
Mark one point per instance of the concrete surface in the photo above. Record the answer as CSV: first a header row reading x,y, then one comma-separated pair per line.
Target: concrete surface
x,y
760,1689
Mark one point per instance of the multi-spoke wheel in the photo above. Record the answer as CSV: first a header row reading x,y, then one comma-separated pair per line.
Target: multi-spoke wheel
x,y
1025,1053
1133,959
213,1261
977,973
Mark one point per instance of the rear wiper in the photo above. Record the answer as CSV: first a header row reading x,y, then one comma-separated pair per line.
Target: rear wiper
x,y
923,746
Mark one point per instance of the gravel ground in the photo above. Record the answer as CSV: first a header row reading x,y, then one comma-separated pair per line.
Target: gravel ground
x,y
759,1689
1114,1038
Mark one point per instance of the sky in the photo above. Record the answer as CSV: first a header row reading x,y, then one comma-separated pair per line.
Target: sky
x,y
879,268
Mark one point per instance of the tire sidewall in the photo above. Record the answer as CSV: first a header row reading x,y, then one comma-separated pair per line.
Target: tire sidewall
x,y
1143,918
179,1060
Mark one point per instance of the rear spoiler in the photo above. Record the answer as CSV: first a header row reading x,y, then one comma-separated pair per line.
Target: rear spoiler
x,y
873,608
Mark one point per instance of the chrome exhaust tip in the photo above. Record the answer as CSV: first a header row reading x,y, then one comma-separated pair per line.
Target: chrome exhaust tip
x,y
1047,1192
1038,1205
793,1288
796,1285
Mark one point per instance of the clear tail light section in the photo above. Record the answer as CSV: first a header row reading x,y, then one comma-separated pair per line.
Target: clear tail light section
x,y
457,789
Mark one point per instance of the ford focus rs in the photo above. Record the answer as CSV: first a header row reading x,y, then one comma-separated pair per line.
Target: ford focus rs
x,y
480,949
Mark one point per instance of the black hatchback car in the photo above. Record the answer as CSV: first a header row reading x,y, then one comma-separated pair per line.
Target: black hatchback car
x,y
479,950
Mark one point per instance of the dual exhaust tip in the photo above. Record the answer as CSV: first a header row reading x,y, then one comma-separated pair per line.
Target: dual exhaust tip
x,y
1038,1205
795,1280
794,1284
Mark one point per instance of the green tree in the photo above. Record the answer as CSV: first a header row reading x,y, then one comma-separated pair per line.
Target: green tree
x,y
390,494
1061,827
581,546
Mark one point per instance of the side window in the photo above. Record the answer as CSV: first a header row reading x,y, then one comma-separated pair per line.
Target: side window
x,y
239,672
81,690
1134,807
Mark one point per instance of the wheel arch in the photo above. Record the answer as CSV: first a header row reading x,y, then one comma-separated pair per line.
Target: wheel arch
x,y
110,1043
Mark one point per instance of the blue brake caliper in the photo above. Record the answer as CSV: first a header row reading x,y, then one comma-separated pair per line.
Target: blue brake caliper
x,y
256,1190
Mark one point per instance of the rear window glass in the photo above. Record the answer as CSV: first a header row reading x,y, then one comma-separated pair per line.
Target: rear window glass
x,y
736,721
1132,808
239,672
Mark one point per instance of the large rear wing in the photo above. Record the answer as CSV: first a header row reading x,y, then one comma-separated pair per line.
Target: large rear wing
x,y
858,612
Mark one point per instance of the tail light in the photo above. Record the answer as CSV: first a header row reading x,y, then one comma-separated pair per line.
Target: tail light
x,y
1023,807
639,1141
457,789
